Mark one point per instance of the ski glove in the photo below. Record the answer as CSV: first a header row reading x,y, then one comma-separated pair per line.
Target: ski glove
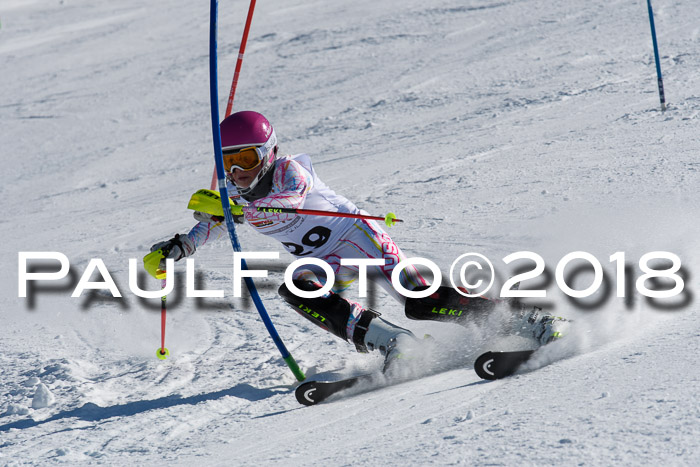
x,y
178,247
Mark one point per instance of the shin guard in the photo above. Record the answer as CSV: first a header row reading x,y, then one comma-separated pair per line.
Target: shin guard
x,y
330,312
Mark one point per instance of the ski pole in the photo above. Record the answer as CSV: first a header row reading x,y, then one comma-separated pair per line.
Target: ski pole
x,y
162,352
225,205
151,263
209,202
389,219
237,71
660,80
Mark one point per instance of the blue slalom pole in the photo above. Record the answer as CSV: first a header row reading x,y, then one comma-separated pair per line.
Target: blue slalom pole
x,y
656,57
218,156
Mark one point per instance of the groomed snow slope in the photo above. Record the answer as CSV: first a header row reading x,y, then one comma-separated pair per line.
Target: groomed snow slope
x,y
490,126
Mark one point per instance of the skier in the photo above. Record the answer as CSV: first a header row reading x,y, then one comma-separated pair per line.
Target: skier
x,y
262,177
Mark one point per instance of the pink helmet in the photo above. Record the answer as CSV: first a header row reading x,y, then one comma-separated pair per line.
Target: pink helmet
x,y
248,128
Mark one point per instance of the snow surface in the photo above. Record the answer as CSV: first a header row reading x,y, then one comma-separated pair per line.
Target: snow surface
x,y
490,126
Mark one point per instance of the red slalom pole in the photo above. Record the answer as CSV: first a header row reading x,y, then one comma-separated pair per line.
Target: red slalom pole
x,y
237,72
239,62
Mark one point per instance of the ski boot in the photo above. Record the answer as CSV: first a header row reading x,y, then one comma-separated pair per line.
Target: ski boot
x,y
395,343
543,328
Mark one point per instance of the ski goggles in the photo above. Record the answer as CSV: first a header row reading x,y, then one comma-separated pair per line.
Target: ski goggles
x,y
244,158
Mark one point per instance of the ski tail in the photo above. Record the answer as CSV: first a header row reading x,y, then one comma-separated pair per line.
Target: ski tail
x,y
497,365
314,392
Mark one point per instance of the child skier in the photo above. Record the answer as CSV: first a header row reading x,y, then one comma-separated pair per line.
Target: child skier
x,y
260,176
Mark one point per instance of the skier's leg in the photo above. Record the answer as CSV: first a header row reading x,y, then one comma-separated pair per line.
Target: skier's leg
x,y
330,311
447,304
362,326
368,239
346,319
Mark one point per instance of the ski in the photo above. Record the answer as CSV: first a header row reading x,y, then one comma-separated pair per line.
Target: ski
x,y
448,305
313,392
489,366
497,365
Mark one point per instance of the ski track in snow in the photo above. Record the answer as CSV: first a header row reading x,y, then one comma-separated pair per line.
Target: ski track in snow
x,y
490,126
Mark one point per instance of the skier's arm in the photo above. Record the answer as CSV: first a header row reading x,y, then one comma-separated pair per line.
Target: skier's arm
x,y
203,232
209,227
